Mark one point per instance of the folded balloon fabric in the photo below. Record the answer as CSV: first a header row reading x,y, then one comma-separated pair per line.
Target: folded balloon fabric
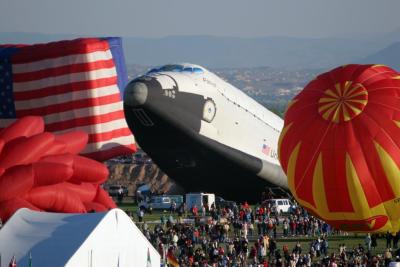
x,y
42,171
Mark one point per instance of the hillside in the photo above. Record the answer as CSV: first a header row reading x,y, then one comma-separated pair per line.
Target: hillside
x,y
133,174
389,56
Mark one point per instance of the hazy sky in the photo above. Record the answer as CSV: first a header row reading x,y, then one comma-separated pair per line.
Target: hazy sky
x,y
241,18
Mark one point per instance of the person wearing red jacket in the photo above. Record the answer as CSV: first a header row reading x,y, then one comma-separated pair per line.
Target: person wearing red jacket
x,y
195,211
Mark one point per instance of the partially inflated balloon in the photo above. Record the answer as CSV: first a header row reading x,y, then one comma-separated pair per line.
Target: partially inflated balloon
x,y
103,198
42,171
26,127
340,148
55,198
16,181
9,207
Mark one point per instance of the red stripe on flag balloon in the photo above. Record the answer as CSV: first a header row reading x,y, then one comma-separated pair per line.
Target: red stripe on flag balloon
x,y
71,105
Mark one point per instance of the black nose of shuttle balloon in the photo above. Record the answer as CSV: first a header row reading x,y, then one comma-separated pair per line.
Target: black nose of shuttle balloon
x,y
136,93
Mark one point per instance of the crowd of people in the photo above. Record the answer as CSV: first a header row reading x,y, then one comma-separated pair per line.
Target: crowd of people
x,y
243,236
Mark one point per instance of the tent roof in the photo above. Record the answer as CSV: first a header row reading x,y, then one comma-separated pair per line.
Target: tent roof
x,y
52,237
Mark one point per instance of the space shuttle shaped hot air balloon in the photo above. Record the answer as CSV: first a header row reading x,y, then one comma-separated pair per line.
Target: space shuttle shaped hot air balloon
x,y
340,148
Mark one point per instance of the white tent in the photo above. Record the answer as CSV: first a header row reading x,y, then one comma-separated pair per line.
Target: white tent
x,y
58,239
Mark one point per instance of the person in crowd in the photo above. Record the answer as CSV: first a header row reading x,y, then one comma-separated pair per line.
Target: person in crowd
x,y
388,256
368,241
389,238
195,211
140,214
172,209
223,238
374,241
396,238
120,194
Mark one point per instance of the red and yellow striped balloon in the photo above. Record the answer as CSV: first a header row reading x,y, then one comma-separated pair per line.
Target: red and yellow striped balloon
x,y
340,148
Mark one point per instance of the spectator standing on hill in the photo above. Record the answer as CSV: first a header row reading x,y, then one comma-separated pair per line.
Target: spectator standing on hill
x,y
251,228
374,241
120,194
244,230
333,263
292,224
150,208
324,246
274,230
388,257
203,211
285,250
285,228
253,255
162,219
316,228
368,241
396,240
317,247
173,207
181,210
297,248
263,251
389,238
195,211
140,214
272,247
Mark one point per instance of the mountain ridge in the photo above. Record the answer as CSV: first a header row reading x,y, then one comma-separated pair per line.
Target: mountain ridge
x,y
235,52
389,56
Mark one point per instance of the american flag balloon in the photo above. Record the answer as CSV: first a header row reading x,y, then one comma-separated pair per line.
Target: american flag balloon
x,y
73,85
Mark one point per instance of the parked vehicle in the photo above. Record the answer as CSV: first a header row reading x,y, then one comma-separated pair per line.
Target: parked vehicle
x,y
114,189
222,203
142,158
178,199
143,192
199,199
163,202
279,205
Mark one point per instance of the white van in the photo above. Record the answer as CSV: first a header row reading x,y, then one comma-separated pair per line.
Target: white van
x,y
157,203
199,199
162,202
279,205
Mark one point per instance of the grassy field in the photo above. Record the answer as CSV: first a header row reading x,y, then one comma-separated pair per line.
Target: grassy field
x,y
351,240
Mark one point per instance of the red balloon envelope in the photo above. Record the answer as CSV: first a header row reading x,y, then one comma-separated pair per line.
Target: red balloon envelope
x,y
27,127
42,171
340,148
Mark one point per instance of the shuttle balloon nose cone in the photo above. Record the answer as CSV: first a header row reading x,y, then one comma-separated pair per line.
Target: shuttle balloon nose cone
x,y
135,94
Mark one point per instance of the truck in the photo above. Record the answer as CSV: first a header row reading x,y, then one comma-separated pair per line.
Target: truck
x,y
199,199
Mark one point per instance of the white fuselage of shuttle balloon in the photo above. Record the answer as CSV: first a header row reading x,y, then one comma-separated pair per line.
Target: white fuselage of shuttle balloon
x,y
230,117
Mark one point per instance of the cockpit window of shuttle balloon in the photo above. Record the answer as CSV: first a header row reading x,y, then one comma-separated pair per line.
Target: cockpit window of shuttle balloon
x,y
198,70
193,70
188,69
153,70
176,68
172,67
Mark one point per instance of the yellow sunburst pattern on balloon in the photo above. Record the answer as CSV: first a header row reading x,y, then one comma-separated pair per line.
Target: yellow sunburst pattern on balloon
x,y
344,102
